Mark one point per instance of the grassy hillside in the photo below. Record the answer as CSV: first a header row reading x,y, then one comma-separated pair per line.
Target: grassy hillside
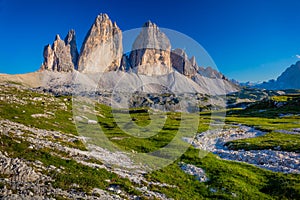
x,y
226,179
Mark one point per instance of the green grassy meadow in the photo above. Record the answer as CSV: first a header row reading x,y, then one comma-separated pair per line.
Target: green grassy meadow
x,y
227,179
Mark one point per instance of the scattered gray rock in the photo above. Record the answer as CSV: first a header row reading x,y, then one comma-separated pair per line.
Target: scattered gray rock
x,y
90,121
275,160
195,171
40,115
27,176
295,131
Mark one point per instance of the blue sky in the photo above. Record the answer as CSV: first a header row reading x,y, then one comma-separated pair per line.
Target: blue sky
x,y
249,40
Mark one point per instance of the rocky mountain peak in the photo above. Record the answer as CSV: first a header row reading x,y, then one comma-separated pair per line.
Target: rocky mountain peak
x,y
101,18
70,39
210,73
182,64
151,37
149,24
150,53
102,51
62,55
57,37
291,74
193,61
289,79
102,48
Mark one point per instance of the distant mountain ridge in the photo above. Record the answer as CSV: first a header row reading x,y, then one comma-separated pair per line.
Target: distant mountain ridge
x,y
289,79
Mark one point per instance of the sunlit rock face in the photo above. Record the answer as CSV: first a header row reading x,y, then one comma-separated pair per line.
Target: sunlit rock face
x,y
102,49
150,53
62,55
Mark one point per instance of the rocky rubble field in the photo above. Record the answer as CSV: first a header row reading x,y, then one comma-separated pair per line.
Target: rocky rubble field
x,y
26,180
275,160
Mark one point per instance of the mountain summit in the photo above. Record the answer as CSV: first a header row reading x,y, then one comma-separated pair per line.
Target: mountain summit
x,y
62,55
289,79
150,53
151,61
102,48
